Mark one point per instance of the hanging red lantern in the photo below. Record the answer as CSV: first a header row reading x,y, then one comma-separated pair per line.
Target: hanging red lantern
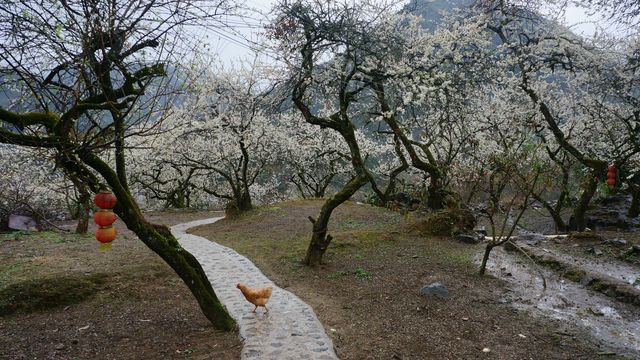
x,y
105,235
104,217
105,200
612,173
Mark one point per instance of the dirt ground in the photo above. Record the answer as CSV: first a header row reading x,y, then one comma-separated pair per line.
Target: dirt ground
x,y
367,292
63,298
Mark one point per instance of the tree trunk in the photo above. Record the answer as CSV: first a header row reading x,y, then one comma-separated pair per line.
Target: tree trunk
x,y
634,209
589,187
436,196
320,240
558,221
554,212
244,202
176,199
487,251
84,206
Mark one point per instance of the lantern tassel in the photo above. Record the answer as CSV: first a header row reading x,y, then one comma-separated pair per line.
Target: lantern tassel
x,y
105,246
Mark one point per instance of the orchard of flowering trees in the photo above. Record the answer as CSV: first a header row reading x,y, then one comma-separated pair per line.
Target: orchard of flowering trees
x,y
494,109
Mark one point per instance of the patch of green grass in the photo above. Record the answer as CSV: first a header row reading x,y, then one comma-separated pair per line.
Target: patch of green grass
x,y
55,237
350,225
188,350
45,293
362,274
337,275
462,259
9,271
49,236
14,235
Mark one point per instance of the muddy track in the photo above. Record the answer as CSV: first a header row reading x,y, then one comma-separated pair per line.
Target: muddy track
x,y
603,304
616,281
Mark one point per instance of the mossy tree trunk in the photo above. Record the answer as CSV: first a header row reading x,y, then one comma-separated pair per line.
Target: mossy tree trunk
x,y
320,240
436,193
589,187
244,200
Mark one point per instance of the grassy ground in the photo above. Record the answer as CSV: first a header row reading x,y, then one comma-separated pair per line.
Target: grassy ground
x,y
62,298
366,293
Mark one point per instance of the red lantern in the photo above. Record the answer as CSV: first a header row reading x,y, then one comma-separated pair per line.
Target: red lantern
x,y
612,173
104,217
105,200
105,235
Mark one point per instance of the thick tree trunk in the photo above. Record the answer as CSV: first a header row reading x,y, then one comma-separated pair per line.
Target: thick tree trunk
x,y
320,240
176,199
244,202
436,195
589,187
84,206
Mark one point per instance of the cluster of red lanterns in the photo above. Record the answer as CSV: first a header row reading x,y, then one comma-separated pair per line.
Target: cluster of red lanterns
x,y
611,175
105,218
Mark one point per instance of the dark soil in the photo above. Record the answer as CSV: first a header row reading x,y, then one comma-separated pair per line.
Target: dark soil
x,y
366,293
66,299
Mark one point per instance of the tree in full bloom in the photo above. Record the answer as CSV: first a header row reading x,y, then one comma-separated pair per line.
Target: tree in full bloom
x,y
86,75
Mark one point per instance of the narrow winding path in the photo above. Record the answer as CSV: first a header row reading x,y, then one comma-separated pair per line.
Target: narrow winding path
x,y
290,330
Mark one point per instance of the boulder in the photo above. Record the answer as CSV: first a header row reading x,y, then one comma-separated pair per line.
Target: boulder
x,y
22,222
616,242
448,222
469,238
611,212
435,289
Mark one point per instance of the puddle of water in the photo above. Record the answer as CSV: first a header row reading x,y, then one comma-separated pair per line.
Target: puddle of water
x,y
615,324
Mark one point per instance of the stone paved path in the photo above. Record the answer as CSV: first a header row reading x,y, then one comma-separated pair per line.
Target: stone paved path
x,y
290,330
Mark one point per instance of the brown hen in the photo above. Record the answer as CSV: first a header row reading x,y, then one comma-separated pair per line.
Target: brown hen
x,y
257,296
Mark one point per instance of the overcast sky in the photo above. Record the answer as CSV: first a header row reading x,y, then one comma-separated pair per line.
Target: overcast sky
x,y
230,48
